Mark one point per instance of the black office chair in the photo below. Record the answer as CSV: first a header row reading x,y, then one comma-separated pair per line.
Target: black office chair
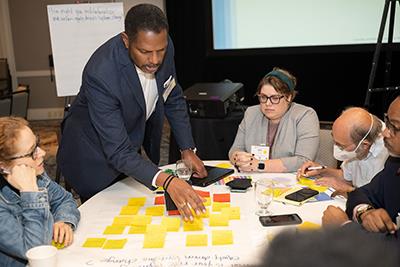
x,y
12,102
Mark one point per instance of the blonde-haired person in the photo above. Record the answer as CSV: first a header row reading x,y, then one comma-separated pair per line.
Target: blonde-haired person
x,y
34,210
288,129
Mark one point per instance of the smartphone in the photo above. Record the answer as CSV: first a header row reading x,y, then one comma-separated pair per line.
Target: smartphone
x,y
284,219
302,194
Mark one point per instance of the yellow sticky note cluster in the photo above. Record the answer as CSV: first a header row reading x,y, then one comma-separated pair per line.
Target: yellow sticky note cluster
x,y
114,230
196,225
222,237
155,236
155,211
136,201
94,242
217,206
115,243
172,224
129,210
221,219
233,212
196,240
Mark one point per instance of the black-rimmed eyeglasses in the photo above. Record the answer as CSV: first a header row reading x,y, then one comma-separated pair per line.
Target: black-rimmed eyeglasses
x,y
274,99
33,154
393,129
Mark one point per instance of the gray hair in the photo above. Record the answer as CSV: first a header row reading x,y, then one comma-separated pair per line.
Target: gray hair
x,y
358,131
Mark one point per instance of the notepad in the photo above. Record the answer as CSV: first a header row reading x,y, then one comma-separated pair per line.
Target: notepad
x,y
196,225
155,211
94,242
114,230
233,212
196,240
115,243
129,210
221,219
136,201
222,237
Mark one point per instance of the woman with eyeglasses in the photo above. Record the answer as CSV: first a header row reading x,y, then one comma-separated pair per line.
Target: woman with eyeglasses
x,y
278,135
34,210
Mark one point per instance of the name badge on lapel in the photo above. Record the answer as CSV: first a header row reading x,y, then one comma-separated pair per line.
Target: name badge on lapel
x,y
168,86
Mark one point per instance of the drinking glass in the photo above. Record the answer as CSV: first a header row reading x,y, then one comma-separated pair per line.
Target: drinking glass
x,y
264,195
183,169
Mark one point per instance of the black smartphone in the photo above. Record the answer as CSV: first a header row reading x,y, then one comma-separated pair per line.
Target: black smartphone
x,y
302,194
283,219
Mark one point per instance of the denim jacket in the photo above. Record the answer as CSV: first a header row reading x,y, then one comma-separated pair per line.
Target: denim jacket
x,y
26,220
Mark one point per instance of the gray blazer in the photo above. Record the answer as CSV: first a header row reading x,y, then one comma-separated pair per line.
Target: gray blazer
x,y
296,140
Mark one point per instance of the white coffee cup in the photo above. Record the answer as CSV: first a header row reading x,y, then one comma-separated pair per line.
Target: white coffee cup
x,y
42,256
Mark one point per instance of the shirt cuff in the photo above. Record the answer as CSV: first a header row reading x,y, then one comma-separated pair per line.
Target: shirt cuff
x,y
153,183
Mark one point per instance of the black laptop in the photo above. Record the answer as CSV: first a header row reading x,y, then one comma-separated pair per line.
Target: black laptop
x,y
214,175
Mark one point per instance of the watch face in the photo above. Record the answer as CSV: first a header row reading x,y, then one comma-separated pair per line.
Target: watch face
x,y
261,166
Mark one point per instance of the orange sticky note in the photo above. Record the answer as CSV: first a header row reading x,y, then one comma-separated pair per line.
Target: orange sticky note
x,y
173,212
222,197
160,200
129,210
196,240
222,237
136,201
203,193
155,211
114,230
94,242
137,229
221,219
115,244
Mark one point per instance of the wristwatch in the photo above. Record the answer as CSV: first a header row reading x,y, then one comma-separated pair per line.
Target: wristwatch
x,y
190,148
261,165
361,209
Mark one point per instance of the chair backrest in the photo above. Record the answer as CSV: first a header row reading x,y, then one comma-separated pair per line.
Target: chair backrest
x,y
325,151
5,78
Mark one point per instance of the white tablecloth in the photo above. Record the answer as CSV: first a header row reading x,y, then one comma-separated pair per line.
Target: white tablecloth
x,y
250,238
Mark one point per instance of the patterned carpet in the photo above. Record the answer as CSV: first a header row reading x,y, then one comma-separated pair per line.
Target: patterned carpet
x,y
49,129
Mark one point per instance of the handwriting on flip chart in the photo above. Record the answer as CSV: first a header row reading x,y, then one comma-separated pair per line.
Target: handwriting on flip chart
x,y
84,13
184,260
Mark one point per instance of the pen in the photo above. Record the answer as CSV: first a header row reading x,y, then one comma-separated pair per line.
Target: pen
x,y
316,168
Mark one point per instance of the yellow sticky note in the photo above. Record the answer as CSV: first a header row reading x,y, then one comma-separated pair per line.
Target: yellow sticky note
x,y
217,206
115,243
222,237
219,219
208,201
156,229
311,184
308,226
196,240
154,240
155,211
224,165
280,191
129,210
137,229
136,201
196,225
94,242
233,212
123,220
57,245
204,215
114,230
172,224
141,220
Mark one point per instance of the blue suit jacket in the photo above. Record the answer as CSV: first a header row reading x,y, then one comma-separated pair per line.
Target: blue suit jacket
x,y
106,125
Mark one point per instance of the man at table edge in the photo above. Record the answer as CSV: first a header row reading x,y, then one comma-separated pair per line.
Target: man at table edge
x,y
128,85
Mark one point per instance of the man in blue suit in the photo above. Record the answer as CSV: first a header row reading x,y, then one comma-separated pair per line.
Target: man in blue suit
x,y
128,86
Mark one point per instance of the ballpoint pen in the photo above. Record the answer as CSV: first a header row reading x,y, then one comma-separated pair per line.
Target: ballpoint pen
x,y
316,168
